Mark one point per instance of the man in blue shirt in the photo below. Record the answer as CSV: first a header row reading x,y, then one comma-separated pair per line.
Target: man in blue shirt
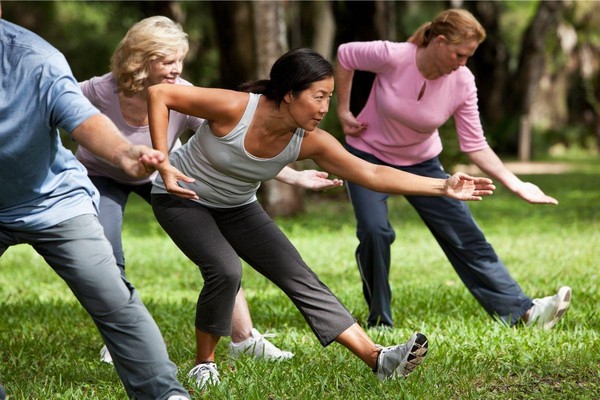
x,y
48,201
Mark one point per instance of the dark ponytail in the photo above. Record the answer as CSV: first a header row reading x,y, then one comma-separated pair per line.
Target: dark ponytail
x,y
260,87
293,72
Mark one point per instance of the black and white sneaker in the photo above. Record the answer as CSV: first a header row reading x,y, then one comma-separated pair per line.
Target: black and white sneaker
x,y
399,361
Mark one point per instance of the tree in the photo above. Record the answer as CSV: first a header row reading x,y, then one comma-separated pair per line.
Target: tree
x,y
509,95
270,32
237,61
363,21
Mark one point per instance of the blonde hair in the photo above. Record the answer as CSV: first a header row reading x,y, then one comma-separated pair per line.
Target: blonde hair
x,y
456,25
146,41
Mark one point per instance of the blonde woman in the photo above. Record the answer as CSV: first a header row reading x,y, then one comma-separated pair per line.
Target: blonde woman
x,y
419,85
152,52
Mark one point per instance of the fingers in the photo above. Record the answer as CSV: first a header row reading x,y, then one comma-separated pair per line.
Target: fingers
x,y
171,177
328,184
544,200
354,130
486,186
181,192
352,127
534,195
479,193
319,174
184,193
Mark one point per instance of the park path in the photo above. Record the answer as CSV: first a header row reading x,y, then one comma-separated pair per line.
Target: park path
x,y
519,167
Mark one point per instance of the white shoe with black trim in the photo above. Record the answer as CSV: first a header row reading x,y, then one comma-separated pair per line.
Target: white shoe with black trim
x,y
399,361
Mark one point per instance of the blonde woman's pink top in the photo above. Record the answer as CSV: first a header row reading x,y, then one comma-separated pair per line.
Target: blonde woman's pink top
x,y
102,91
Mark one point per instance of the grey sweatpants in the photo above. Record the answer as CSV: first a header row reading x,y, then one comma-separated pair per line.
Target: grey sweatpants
x,y
216,238
80,254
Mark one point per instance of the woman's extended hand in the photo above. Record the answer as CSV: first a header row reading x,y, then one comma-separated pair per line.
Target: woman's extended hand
x,y
461,186
316,180
533,194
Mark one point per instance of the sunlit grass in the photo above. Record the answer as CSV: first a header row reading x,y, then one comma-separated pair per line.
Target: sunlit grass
x,y
49,346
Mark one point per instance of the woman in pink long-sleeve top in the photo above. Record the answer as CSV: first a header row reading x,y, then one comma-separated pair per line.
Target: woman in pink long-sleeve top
x,y
418,86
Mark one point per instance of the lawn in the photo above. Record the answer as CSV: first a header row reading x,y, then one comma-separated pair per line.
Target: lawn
x,y
49,348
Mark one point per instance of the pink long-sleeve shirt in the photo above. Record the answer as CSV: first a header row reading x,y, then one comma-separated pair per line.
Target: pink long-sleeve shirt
x,y
403,129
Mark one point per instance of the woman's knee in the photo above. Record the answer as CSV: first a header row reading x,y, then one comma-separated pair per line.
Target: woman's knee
x,y
226,277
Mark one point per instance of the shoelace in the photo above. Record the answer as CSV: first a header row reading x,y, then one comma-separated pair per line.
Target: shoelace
x,y
268,335
208,367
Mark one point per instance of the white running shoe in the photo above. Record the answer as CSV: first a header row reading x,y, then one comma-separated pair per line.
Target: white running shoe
x,y
399,361
178,397
205,374
546,312
105,355
259,347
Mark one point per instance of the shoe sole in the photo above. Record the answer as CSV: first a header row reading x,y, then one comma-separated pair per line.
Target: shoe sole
x,y
562,305
418,350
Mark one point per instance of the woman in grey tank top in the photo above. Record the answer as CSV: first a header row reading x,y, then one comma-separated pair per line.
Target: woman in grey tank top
x,y
205,201
152,52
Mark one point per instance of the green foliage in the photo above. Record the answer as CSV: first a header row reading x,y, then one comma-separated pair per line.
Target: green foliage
x,y
96,27
88,31
50,347
411,15
513,22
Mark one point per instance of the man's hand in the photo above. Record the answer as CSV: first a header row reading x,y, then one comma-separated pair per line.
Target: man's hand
x,y
140,161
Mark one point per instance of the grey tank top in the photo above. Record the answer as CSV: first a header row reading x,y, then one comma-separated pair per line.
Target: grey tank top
x,y
225,174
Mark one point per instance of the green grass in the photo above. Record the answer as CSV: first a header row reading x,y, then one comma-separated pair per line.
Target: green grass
x,y
49,346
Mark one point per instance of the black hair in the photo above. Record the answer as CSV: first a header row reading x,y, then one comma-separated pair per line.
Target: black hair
x,y
293,72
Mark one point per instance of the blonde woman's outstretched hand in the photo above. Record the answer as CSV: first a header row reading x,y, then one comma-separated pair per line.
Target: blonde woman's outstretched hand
x,y
316,180
461,186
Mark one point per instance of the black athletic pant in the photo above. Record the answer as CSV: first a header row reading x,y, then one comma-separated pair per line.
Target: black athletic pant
x,y
216,238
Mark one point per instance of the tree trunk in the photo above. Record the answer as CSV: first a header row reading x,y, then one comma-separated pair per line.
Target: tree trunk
x,y
489,64
324,25
233,21
531,67
278,199
532,59
357,21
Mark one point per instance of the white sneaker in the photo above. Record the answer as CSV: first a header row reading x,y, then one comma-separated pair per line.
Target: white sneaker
x,y
259,347
178,397
105,355
399,361
546,312
205,374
